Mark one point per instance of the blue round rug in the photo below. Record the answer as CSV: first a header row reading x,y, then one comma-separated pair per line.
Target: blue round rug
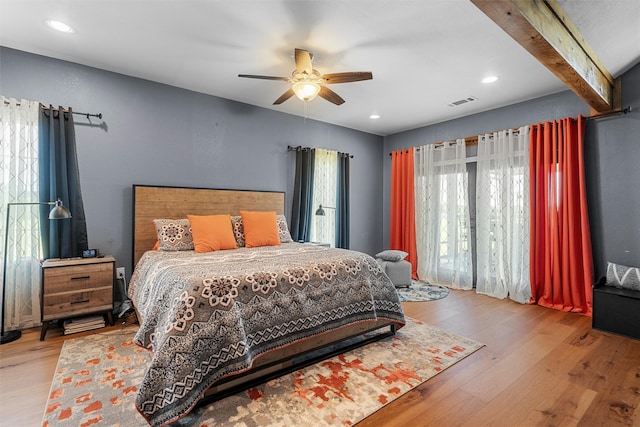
x,y
422,291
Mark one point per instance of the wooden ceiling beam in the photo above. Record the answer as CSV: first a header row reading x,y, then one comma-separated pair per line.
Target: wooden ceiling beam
x,y
544,30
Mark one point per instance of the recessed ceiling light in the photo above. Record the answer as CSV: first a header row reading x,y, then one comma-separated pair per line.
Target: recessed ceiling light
x,y
374,116
60,26
490,79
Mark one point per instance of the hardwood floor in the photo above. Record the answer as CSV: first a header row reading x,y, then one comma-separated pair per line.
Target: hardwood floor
x,y
539,367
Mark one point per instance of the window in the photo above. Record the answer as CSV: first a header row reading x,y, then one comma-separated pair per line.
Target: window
x,y
502,201
323,228
443,237
19,171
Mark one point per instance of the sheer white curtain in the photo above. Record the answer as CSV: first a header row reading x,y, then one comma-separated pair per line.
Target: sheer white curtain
x,y
325,177
19,170
442,215
502,213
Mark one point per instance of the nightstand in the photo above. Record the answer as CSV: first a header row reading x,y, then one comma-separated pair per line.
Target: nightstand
x,y
76,286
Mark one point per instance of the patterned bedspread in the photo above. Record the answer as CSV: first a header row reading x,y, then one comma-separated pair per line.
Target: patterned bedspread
x,y
209,315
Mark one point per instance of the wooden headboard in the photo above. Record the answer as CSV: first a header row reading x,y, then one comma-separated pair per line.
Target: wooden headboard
x,y
153,202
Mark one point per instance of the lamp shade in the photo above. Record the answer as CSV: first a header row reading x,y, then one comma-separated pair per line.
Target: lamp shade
x,y
59,211
320,210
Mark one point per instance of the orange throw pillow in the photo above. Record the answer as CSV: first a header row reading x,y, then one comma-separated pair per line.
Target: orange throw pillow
x,y
260,229
212,232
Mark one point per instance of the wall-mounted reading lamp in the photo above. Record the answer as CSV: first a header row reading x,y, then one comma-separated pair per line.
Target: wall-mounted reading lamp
x,y
320,210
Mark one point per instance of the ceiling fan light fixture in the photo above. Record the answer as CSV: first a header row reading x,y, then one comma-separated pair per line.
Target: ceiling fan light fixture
x,y
307,83
306,91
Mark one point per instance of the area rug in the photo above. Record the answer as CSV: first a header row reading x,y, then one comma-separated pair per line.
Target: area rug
x,y
422,291
96,378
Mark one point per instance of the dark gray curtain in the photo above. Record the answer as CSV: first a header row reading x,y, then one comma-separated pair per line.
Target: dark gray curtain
x,y
342,201
59,179
302,211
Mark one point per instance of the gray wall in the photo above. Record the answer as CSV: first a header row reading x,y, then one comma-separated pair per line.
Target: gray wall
x,y
162,135
612,161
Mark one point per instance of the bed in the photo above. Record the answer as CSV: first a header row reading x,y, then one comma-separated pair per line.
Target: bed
x,y
222,321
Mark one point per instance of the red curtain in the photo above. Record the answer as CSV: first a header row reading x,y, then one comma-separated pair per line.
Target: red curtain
x,y
403,210
561,266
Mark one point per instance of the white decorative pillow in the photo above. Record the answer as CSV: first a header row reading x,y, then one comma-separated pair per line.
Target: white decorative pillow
x,y
283,230
623,277
174,234
392,255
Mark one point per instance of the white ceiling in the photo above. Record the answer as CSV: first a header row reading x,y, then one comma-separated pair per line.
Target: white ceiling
x,y
424,54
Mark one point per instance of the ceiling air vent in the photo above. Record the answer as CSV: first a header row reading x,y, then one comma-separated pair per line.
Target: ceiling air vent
x,y
462,101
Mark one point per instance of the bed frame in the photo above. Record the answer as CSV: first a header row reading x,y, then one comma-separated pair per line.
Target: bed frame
x,y
156,202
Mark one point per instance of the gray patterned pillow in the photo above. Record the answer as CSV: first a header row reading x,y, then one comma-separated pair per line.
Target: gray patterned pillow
x,y
238,230
283,230
623,277
392,255
174,234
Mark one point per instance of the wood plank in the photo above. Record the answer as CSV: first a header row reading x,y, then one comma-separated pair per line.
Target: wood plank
x,y
488,385
544,30
613,370
523,395
565,405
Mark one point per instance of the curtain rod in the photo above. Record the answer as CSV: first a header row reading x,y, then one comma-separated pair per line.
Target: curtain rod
x,y
44,107
87,115
298,148
469,141
473,140
622,111
301,148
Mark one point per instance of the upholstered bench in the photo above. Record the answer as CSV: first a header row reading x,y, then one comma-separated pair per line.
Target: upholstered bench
x,y
394,265
616,301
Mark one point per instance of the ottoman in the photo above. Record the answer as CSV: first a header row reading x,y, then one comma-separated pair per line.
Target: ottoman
x,y
396,267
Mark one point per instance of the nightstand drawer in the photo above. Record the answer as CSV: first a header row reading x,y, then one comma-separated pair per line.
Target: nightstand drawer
x,y
77,278
55,306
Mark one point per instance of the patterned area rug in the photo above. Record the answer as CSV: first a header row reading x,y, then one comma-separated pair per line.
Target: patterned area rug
x,y
96,377
422,291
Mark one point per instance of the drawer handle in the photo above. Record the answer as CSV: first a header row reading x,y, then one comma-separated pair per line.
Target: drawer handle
x,y
80,302
81,278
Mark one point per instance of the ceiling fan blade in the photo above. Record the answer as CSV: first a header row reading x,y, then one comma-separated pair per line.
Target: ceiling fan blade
x,y
251,76
330,95
303,61
288,94
354,76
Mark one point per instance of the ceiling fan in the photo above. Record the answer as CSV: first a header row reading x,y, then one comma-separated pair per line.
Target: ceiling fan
x,y
307,83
